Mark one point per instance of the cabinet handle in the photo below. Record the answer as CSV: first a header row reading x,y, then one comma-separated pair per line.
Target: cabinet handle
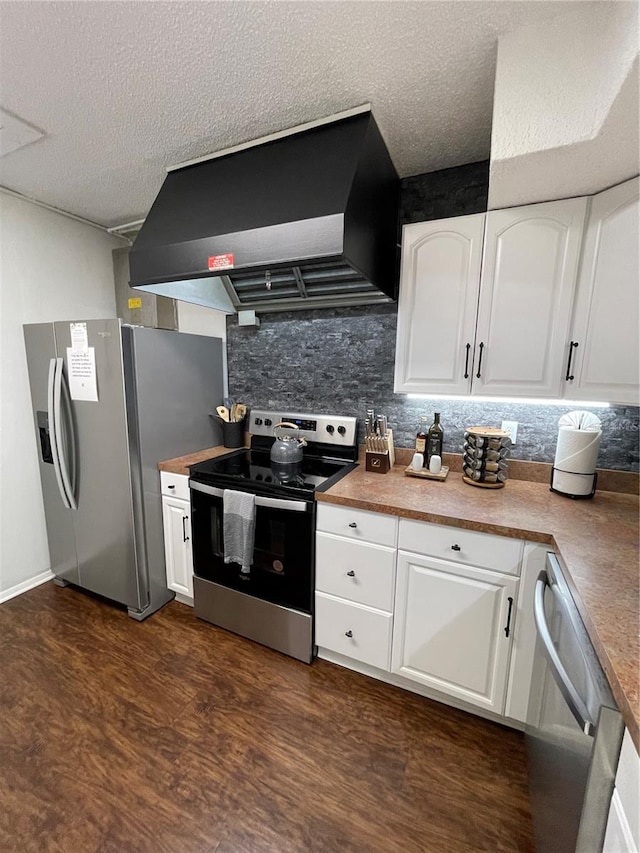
x,y
455,547
185,518
480,361
351,574
171,487
570,377
508,628
353,524
348,633
466,362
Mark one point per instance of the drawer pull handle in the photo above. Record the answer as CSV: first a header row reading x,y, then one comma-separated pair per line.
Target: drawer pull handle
x,y
455,547
351,574
171,487
508,628
353,524
348,633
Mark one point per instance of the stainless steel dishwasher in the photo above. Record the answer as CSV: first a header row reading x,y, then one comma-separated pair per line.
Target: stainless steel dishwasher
x,y
574,729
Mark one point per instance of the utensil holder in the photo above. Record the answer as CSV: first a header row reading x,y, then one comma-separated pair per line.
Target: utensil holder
x,y
233,433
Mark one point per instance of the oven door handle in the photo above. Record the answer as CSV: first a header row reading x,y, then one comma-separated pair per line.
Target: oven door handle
x,y
271,503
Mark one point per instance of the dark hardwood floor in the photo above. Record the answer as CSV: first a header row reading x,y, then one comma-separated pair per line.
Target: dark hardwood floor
x,y
171,735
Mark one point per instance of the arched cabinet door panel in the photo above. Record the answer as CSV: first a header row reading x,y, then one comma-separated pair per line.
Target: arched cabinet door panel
x,y
529,273
605,362
439,281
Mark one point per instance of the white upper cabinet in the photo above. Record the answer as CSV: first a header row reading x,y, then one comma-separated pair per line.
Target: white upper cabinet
x,y
439,280
529,274
604,335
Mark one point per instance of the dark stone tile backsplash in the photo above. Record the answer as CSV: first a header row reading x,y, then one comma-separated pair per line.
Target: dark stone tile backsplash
x,y
459,191
334,361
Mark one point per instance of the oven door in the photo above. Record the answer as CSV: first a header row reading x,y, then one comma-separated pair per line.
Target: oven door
x,y
283,558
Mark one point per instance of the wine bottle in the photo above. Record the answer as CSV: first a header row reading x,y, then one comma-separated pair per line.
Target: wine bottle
x,y
421,437
434,439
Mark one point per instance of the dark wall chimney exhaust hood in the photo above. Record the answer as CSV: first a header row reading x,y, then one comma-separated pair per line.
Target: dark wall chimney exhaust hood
x,y
302,220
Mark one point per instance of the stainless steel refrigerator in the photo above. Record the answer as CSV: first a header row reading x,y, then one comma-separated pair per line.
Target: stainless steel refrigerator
x,y
110,401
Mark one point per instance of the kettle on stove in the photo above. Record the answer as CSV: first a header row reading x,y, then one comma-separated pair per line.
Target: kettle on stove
x,y
287,448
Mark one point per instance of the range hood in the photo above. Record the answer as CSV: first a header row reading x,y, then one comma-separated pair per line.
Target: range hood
x,y
307,219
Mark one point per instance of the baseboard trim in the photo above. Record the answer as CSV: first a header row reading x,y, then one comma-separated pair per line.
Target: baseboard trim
x,y
24,586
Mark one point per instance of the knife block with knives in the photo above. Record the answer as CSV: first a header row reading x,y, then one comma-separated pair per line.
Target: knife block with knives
x,y
378,445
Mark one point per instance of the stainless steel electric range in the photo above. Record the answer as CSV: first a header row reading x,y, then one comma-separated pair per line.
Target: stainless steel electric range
x,y
273,602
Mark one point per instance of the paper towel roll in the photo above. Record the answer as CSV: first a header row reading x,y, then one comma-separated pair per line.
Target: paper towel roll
x,y
572,484
577,450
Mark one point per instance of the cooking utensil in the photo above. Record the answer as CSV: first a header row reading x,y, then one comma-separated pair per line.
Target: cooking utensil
x,y
240,410
223,412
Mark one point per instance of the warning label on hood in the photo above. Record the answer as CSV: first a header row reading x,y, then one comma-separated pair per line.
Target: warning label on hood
x,y
221,262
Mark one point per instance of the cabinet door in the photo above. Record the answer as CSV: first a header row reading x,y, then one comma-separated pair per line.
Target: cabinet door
x,y
529,271
177,546
605,325
439,280
449,628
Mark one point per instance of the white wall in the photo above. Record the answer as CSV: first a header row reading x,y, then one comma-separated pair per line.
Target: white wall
x,y
51,268
565,110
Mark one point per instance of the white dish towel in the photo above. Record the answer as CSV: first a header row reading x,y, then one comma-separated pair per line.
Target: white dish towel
x,y
239,527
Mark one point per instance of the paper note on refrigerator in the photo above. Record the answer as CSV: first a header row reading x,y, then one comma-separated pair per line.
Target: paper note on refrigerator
x,y
79,337
83,383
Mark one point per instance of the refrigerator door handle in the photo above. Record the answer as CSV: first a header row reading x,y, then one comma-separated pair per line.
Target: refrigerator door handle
x,y
51,384
69,471
58,436
571,696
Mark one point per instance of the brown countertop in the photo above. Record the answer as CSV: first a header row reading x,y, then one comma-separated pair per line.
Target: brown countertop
x,y
180,465
596,542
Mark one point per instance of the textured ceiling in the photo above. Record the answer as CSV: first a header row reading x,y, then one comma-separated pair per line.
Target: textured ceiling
x,y
124,89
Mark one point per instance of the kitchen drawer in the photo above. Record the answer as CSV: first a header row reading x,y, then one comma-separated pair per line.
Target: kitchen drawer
x,y
357,571
358,524
462,546
175,485
369,630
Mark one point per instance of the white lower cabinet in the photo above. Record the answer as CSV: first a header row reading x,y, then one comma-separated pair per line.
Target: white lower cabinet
x,y
355,584
176,523
439,610
453,628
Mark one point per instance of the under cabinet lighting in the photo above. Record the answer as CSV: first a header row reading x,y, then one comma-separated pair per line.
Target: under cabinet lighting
x,y
532,401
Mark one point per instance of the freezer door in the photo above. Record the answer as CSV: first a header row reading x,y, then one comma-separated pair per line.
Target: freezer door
x,y
41,351
103,522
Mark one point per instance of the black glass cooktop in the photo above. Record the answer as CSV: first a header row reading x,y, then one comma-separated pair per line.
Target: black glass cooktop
x,y
253,471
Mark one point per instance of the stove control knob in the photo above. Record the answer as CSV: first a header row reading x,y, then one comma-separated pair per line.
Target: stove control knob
x,y
268,421
258,421
341,430
329,429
